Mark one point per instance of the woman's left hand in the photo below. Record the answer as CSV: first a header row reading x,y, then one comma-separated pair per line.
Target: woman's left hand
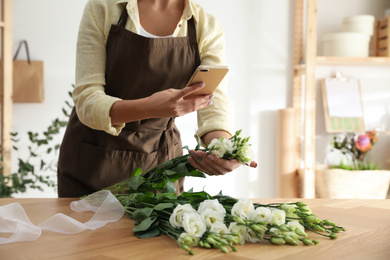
x,y
212,165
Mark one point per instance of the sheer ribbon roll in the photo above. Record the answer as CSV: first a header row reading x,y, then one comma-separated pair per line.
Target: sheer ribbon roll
x,y
14,221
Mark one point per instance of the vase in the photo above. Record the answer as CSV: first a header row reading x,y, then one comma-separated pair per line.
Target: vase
x,y
345,184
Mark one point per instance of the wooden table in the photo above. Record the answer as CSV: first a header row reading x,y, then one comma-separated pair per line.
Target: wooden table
x,y
367,237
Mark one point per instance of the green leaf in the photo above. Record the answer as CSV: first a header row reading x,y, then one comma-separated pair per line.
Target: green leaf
x,y
160,185
169,172
141,214
168,164
182,168
135,182
136,172
163,196
170,187
162,206
154,232
197,173
145,224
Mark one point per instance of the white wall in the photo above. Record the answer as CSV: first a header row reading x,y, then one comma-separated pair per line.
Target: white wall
x,y
259,38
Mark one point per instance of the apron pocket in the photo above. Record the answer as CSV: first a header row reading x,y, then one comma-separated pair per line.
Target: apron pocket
x,y
99,168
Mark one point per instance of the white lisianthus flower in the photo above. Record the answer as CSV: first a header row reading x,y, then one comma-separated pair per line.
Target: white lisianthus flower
x,y
220,228
261,214
278,217
243,208
210,217
176,218
295,225
288,208
250,236
221,146
211,204
240,230
193,224
188,239
245,154
275,231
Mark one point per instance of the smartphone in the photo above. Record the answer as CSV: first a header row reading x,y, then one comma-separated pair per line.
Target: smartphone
x,y
211,75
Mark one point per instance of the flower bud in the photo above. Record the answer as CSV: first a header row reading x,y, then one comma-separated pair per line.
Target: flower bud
x,y
319,228
329,223
315,241
224,249
305,209
211,241
336,229
277,241
289,240
258,228
313,219
206,245
307,241
239,220
284,228
300,232
300,204
333,236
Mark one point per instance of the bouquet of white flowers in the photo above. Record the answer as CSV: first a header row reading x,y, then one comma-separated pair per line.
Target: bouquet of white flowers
x,y
199,219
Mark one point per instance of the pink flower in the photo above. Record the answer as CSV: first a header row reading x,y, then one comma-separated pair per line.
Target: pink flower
x,y
363,143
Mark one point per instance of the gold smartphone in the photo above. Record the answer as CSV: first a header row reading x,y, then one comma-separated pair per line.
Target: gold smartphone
x,y
211,75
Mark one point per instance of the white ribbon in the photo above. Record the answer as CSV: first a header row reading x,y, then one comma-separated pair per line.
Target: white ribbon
x,y
13,218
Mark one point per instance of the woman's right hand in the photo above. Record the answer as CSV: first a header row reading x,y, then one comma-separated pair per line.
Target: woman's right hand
x,y
162,104
178,102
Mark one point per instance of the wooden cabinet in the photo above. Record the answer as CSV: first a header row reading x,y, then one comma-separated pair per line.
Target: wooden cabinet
x,y
304,87
6,84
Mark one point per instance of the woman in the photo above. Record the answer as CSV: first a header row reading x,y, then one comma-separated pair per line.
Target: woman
x,y
133,61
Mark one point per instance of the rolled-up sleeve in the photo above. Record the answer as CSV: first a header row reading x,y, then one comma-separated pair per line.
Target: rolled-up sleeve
x,y
92,104
211,42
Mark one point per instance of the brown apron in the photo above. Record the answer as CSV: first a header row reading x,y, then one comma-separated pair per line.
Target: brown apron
x,y
136,67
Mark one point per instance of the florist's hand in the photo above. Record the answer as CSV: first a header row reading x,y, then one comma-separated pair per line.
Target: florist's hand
x,y
178,102
212,165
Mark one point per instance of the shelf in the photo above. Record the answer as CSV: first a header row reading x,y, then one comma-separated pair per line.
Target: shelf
x,y
346,61
353,61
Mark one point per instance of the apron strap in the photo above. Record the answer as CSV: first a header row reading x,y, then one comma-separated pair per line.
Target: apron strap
x,y
191,30
123,18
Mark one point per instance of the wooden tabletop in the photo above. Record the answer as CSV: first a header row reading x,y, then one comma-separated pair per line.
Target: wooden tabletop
x,y
367,236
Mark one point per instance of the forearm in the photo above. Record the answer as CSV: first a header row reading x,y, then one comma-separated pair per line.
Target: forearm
x,y
208,137
124,111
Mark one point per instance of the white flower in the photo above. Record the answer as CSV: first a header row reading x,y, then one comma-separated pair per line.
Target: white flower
x,y
176,218
250,236
288,208
210,216
278,217
188,239
193,224
220,228
240,230
220,147
275,231
245,154
213,205
296,225
261,214
243,208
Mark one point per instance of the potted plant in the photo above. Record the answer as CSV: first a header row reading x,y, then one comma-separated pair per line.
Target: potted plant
x,y
353,176
31,167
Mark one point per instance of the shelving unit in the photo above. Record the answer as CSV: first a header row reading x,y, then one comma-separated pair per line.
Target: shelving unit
x,y
6,84
304,87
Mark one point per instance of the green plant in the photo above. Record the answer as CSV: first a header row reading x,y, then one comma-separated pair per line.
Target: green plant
x,y
29,171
